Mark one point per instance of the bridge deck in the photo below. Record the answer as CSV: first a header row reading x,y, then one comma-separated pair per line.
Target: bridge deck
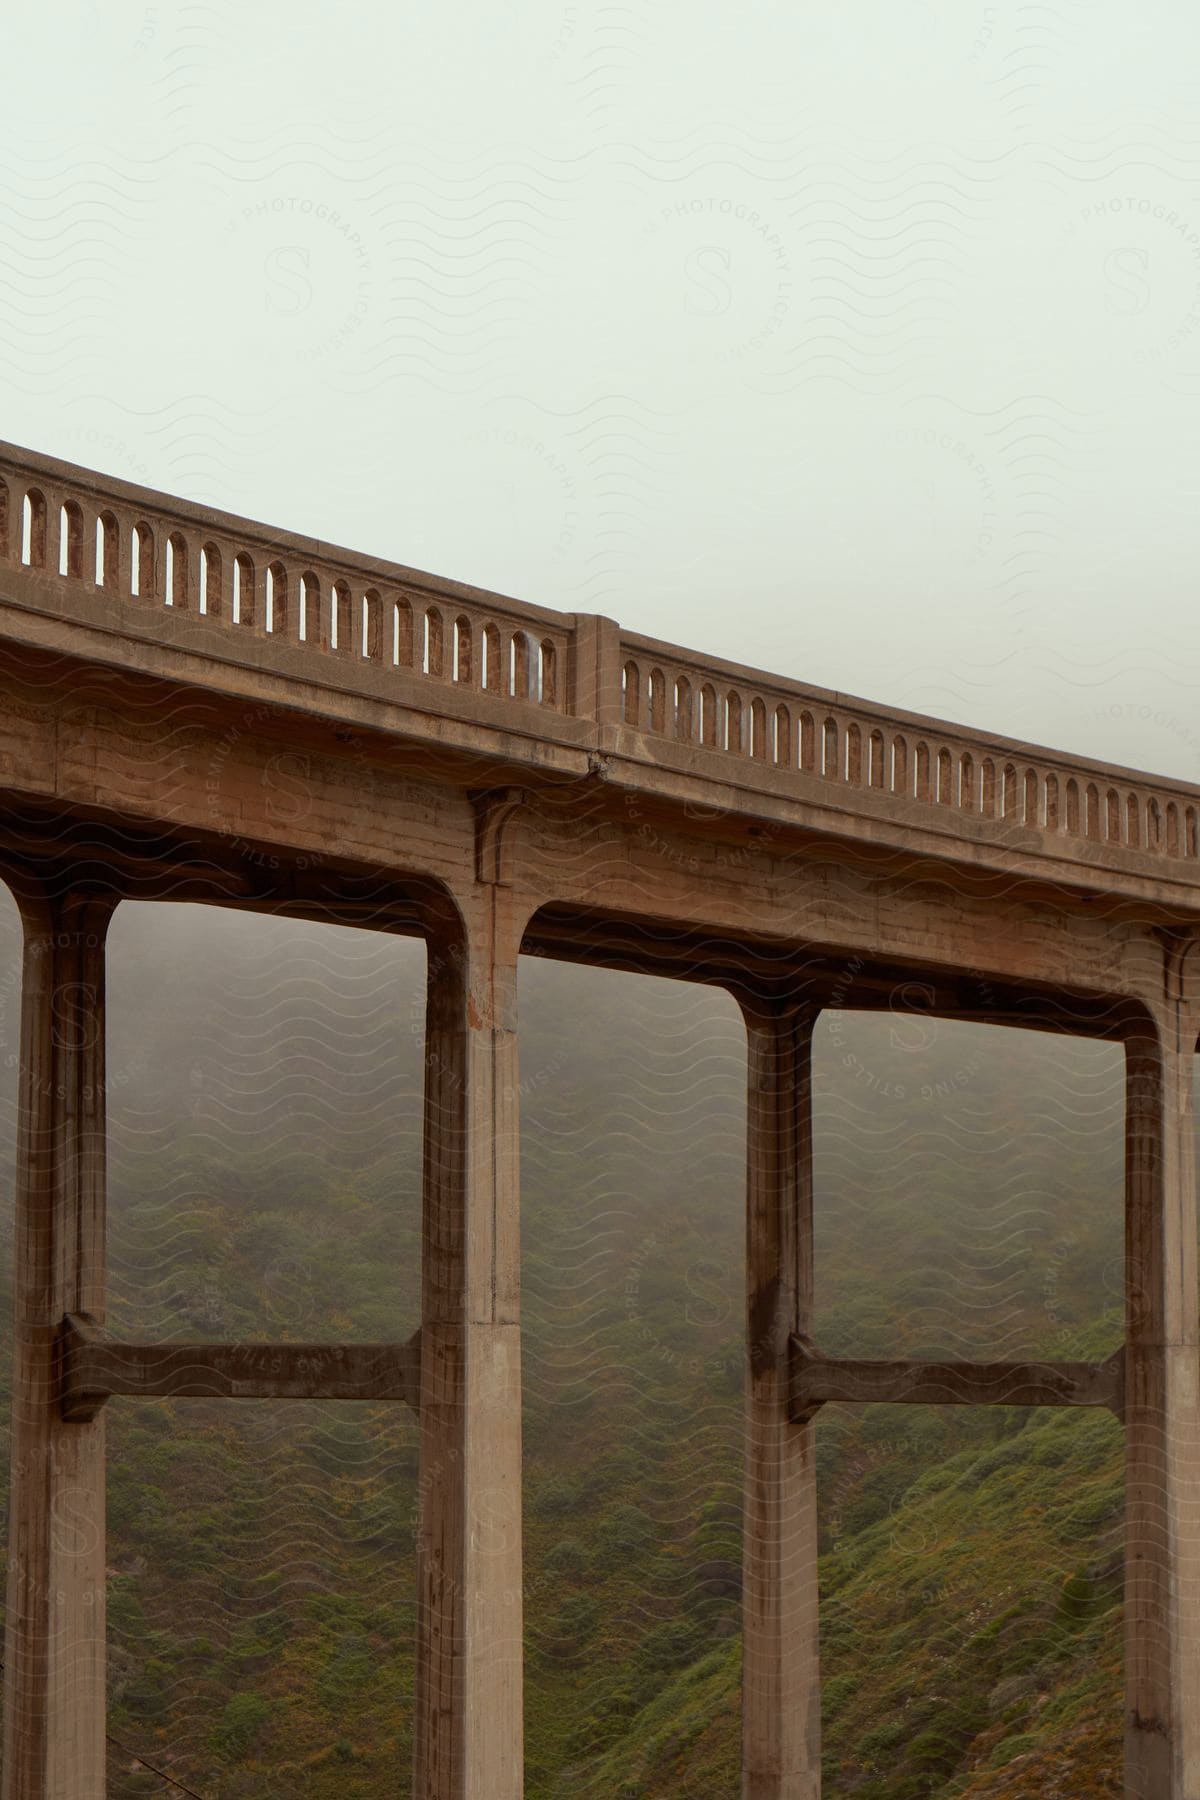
x,y
124,577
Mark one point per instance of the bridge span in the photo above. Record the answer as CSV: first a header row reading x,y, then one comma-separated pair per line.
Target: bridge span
x,y
197,707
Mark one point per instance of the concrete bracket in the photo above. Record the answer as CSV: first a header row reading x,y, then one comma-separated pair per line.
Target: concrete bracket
x,y
493,808
78,1404
1181,976
801,1353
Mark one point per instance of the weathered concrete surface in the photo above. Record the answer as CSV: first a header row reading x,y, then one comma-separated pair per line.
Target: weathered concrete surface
x,y
92,1367
781,1680
1162,1409
54,1635
816,1380
469,1605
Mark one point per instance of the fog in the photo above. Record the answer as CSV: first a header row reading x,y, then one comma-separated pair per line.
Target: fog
x,y
858,343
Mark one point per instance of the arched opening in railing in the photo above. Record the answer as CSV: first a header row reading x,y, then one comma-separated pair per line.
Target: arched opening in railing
x,y
342,634
493,673
243,590
4,519
987,792
176,572
709,719
924,773
966,781
108,551
547,673
783,737
1012,793
658,700
945,778
900,773
831,764
1133,822
464,650
278,622
682,709
1072,807
372,625
1052,807
1032,798
631,695
70,540
758,730
211,572
734,718
1189,832
1091,811
808,744
402,633
142,573
1172,828
309,622
876,760
33,529
524,666
854,755
434,652
1112,816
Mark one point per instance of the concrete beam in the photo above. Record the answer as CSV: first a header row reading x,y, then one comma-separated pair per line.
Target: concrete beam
x,y
94,1366
817,1380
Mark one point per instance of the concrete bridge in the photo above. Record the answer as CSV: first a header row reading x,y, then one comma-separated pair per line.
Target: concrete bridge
x,y
197,707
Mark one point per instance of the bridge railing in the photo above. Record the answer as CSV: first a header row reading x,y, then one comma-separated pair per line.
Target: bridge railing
x,y
850,744
151,552
350,613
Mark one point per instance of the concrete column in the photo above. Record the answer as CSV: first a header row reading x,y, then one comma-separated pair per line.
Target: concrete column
x,y
469,1676
54,1642
1162,1495
781,1698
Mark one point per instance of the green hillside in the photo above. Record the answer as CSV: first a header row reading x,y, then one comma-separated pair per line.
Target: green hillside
x,y
265,1083
970,1640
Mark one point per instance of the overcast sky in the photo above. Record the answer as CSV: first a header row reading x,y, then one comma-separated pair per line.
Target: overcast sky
x,y
860,342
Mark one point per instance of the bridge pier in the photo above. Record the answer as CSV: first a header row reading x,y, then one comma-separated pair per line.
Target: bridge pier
x,y
54,1695
781,1683
469,1726
1162,1415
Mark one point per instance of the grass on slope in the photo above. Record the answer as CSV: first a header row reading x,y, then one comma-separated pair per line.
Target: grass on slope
x,y
947,1669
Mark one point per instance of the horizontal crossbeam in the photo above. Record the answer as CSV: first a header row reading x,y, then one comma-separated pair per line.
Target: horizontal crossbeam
x,y
92,1366
815,1380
